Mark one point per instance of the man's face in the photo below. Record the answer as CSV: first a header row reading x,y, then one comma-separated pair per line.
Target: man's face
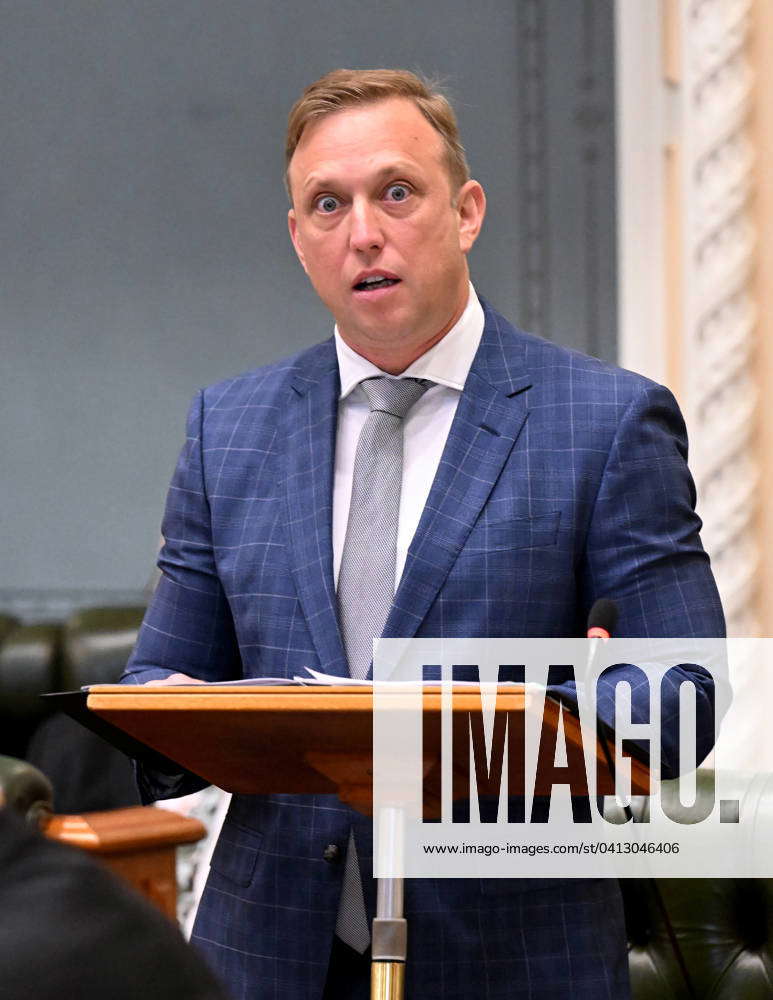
x,y
378,229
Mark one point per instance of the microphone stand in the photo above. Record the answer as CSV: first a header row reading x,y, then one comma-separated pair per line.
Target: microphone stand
x,y
601,622
389,935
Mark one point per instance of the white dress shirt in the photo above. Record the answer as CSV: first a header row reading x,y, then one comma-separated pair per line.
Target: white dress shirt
x,y
425,427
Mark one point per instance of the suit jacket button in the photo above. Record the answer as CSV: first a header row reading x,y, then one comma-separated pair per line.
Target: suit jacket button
x,y
332,853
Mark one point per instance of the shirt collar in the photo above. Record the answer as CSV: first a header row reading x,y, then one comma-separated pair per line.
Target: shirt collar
x,y
446,363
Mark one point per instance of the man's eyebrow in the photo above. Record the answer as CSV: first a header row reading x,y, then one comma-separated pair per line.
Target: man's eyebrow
x,y
324,180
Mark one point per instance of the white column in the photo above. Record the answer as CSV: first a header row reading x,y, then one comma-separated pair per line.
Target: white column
x,y
686,254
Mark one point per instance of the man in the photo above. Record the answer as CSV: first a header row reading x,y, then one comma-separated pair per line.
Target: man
x,y
533,480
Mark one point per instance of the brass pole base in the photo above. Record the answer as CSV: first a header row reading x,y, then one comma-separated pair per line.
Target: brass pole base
x,y
387,981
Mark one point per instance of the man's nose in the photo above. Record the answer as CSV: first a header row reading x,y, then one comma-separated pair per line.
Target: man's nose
x,y
365,231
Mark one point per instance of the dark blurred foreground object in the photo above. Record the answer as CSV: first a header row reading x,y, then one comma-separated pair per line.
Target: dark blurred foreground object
x,y
26,792
72,930
137,843
91,647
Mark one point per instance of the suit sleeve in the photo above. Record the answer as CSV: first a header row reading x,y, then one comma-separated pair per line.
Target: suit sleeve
x,y
643,551
643,548
188,625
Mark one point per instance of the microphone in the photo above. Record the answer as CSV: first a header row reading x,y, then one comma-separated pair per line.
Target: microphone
x,y
602,619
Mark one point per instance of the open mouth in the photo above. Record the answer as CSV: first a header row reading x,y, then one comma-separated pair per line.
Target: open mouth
x,y
371,284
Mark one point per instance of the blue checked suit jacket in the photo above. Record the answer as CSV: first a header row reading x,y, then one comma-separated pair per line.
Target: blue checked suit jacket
x,y
563,480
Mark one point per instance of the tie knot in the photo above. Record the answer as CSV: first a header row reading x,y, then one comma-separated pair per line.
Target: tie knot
x,y
395,396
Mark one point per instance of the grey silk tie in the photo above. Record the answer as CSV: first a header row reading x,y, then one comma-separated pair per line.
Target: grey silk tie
x,y
366,578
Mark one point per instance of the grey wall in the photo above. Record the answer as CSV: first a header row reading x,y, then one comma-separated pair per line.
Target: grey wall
x,y
144,236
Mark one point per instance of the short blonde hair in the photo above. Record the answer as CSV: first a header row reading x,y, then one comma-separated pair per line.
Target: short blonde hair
x,y
347,88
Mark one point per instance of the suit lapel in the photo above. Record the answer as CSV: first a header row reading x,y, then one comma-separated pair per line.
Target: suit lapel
x,y
488,421
309,435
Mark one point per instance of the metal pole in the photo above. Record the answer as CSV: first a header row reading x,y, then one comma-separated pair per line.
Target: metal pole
x,y
390,928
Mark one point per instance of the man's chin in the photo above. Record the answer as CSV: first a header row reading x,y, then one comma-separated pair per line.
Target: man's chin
x,y
380,334
385,326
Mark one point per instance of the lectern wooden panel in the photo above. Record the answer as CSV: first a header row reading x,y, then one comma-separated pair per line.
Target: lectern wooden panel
x,y
137,843
277,739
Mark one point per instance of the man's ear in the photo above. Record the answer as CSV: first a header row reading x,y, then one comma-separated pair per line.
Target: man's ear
x,y
471,207
292,225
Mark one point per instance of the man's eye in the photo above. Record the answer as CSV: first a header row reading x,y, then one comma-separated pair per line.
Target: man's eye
x,y
326,204
397,192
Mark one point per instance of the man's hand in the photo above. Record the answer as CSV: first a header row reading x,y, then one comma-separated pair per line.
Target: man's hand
x,y
174,679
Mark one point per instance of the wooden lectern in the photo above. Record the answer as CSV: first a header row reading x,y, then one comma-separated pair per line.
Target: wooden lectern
x,y
291,739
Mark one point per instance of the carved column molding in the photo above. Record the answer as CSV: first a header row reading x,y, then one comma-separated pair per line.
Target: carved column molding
x,y
720,310
701,162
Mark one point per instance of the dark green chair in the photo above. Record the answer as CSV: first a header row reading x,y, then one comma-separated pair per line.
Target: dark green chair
x,y
88,775
29,665
723,927
96,643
